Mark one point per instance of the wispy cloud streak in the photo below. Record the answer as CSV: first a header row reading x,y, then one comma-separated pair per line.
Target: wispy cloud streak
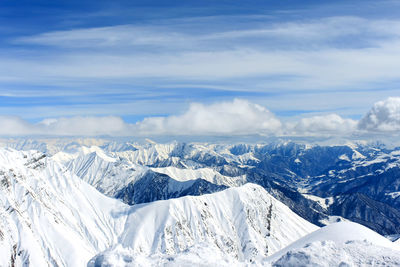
x,y
305,59
336,52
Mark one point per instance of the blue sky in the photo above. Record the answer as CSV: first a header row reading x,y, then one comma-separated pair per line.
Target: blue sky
x,y
141,59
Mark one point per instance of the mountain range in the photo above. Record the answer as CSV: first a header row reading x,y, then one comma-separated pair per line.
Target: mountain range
x,y
354,181
73,202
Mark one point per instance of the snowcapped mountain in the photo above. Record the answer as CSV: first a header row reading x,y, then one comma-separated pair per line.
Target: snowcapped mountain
x,y
50,217
106,172
51,146
339,244
355,181
244,223
121,178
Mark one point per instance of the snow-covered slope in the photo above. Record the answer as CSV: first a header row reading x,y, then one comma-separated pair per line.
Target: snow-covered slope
x,y
362,179
176,153
50,217
356,182
339,244
207,174
119,177
51,146
243,223
151,154
65,156
101,169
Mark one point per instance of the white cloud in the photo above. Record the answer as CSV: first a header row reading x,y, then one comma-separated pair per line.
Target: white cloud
x,y
73,126
384,116
326,53
85,126
198,32
12,125
307,60
112,36
331,124
238,117
232,118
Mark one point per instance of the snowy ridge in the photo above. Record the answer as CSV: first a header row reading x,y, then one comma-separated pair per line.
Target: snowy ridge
x,y
207,174
244,223
51,146
64,156
49,216
106,173
111,174
149,154
327,174
175,152
346,243
339,244
340,233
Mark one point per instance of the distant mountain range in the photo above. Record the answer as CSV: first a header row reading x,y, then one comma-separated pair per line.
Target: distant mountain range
x,y
357,182
243,202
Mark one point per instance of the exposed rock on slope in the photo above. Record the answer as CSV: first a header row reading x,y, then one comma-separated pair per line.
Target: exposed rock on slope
x,y
243,223
49,216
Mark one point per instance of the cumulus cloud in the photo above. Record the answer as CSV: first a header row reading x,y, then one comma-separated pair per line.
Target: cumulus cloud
x,y
331,124
230,118
384,116
238,117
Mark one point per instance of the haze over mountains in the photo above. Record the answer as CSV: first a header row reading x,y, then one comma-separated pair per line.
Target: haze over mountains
x,y
175,203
